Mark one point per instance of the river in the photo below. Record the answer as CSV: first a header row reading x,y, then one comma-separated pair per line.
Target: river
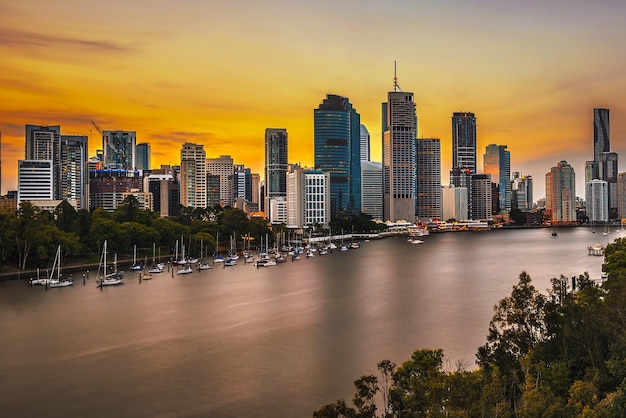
x,y
278,341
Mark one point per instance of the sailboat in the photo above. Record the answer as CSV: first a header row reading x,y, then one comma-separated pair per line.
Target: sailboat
x,y
58,282
233,253
186,266
156,268
218,258
135,266
203,265
107,279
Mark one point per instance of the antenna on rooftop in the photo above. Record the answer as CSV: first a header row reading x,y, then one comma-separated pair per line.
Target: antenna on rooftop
x,y
396,87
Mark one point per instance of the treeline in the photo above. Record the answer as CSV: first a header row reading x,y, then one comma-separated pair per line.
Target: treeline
x,y
557,355
29,236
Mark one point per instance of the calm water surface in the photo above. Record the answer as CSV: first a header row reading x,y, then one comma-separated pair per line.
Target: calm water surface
x,y
269,342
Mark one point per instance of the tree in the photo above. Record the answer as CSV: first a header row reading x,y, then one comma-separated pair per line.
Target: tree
x,y
65,216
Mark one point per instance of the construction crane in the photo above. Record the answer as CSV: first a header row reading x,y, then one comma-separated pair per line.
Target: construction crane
x,y
97,127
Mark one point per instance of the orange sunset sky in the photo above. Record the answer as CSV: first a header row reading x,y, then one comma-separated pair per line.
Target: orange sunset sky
x,y
220,72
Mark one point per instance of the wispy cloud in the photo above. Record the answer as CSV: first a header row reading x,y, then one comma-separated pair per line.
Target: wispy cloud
x,y
15,38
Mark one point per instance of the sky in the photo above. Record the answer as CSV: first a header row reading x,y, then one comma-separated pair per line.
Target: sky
x,y
219,73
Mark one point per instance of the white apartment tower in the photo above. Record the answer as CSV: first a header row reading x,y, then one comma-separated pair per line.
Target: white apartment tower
x,y
193,175
222,166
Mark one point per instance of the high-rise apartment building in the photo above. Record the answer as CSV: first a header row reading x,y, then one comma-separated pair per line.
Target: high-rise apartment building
x,y
256,190
464,141
497,162
44,143
399,157
276,161
428,199
596,191
365,144
193,175
607,169
222,166
561,192
143,157
372,189
242,183
74,170
119,150
482,207
308,197
337,148
621,195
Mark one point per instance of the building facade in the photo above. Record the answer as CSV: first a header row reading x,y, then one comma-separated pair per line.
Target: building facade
x,y
428,199
276,163
222,166
372,189
497,162
143,159
561,197
454,203
596,192
399,157
337,148
365,143
193,175
482,206
522,192
119,150
35,180
464,141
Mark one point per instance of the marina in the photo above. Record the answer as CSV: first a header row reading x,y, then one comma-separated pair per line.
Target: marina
x,y
258,342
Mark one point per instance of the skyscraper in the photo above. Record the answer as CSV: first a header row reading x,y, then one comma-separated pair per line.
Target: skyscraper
x,y
143,157
399,156
276,161
601,132
222,166
193,175
365,144
481,197
464,141
337,147
119,148
561,192
497,162
597,210
372,189
428,200
74,174
522,192
44,143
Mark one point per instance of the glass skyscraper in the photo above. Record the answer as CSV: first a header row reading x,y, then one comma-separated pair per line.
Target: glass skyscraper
x,y
337,147
143,156
601,132
497,162
464,141
428,200
276,161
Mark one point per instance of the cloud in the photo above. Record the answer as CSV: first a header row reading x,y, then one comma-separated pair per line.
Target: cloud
x,y
14,38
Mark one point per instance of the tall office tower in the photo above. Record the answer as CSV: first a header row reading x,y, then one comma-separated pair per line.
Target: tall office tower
x,y
222,166
74,170
497,162
193,175
365,143
143,159
119,150
308,197
601,132
464,141
428,199
399,156
35,180
337,147
242,183
562,192
213,184
372,189
481,197
256,188
276,160
621,195
597,210
522,192
607,170
44,143
454,203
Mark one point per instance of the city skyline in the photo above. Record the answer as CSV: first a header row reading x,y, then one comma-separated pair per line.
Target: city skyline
x,y
529,74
